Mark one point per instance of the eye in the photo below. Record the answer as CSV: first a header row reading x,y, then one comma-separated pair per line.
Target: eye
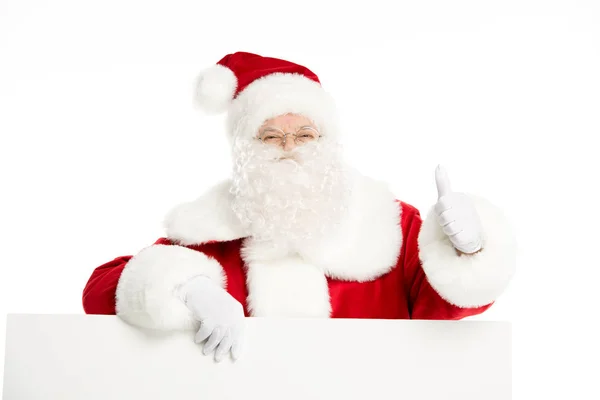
x,y
307,134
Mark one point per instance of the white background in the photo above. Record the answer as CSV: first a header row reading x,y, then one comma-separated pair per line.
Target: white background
x,y
100,139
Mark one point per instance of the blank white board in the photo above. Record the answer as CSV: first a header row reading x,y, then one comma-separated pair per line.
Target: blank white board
x,y
101,357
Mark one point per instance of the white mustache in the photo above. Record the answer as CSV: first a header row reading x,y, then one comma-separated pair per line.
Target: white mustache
x,y
288,157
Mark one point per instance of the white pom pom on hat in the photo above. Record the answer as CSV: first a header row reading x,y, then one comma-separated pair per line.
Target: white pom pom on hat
x,y
215,88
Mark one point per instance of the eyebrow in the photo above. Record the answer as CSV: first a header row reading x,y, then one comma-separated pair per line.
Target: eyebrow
x,y
271,128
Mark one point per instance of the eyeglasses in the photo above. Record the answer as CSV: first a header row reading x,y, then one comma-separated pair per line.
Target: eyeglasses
x,y
277,137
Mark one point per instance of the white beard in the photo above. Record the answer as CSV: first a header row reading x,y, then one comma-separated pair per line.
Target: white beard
x,y
291,203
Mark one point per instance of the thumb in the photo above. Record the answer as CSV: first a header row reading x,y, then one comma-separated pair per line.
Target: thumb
x,y
442,181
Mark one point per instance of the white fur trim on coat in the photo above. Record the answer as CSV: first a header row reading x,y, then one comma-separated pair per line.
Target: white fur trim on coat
x,y
284,287
368,244
210,217
277,94
366,247
469,280
146,292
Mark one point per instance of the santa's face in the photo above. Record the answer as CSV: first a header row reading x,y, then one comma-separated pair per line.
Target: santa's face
x,y
289,182
288,131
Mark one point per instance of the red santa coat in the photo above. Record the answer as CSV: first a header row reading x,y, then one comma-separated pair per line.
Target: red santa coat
x,y
385,263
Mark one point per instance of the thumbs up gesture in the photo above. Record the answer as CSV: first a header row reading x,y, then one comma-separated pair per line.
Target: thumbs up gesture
x,y
457,215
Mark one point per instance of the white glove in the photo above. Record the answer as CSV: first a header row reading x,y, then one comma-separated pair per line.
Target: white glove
x,y
457,215
221,316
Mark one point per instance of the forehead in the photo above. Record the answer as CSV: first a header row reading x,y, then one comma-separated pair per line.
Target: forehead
x,y
289,120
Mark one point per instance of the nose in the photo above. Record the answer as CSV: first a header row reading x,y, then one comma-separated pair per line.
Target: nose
x,y
289,144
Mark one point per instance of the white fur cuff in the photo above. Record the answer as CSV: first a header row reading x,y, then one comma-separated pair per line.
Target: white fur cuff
x,y
469,280
145,294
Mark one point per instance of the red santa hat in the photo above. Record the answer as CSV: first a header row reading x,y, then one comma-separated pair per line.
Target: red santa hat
x,y
252,88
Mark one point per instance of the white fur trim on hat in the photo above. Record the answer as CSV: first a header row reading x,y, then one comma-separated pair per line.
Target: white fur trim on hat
x,y
215,87
277,94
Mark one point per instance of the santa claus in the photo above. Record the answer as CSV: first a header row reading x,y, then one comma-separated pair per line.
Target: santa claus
x,y
296,232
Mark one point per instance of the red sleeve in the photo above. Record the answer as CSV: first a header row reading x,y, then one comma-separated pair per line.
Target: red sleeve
x,y
424,302
99,291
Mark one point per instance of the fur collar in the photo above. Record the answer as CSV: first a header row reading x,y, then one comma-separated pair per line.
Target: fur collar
x,y
367,246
